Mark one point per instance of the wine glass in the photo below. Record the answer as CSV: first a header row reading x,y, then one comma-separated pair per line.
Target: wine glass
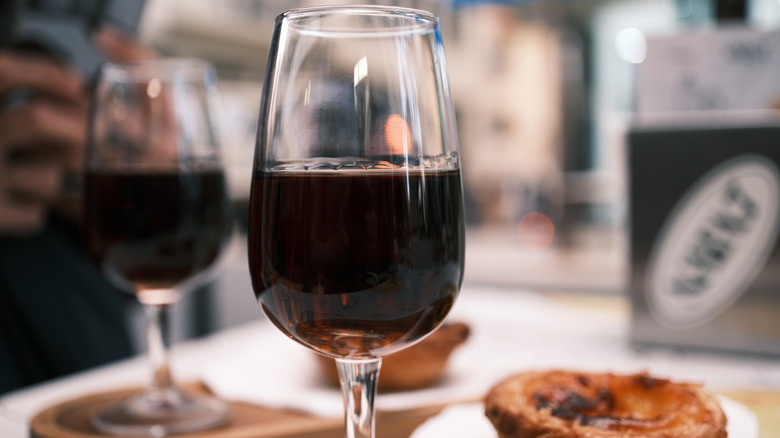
x,y
157,216
356,229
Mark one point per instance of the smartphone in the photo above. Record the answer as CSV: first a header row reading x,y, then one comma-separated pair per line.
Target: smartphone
x,y
65,28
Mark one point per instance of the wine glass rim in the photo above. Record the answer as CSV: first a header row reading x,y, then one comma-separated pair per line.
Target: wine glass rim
x,y
147,68
420,19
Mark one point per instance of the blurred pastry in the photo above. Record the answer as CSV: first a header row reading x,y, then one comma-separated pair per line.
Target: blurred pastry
x,y
418,366
568,404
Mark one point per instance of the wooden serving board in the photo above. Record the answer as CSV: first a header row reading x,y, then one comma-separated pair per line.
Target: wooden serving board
x,y
71,419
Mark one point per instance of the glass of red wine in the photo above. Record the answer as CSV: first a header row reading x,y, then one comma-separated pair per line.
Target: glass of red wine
x,y
356,227
157,217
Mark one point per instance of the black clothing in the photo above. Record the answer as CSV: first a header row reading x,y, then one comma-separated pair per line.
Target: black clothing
x,y
58,315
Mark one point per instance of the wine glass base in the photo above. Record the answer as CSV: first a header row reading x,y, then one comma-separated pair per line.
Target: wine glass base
x,y
161,413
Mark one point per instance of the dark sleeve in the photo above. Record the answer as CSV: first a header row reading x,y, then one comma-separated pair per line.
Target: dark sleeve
x,y
58,315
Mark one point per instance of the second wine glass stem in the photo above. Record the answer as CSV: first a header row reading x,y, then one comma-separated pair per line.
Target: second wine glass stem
x,y
358,387
162,379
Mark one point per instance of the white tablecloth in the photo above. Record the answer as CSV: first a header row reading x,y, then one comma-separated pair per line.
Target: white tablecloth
x,y
512,330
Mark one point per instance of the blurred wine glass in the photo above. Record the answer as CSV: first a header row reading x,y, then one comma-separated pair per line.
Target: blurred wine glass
x,y
157,216
356,229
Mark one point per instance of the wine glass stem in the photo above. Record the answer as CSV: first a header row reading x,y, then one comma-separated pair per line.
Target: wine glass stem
x,y
358,386
157,348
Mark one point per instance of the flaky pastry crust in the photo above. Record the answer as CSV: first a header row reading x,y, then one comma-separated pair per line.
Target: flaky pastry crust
x,y
568,404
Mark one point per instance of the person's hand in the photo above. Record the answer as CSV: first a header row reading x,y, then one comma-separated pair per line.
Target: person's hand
x,y
118,47
43,122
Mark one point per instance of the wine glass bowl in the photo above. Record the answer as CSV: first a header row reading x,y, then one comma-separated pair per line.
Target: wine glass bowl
x,y
157,216
356,228
355,270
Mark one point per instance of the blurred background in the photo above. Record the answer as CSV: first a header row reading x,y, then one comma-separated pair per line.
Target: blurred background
x,y
545,92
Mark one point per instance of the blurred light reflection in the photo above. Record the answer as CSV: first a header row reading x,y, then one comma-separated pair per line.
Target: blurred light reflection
x,y
398,135
536,231
631,45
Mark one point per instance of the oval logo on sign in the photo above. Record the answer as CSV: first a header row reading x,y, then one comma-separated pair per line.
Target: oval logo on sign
x,y
715,242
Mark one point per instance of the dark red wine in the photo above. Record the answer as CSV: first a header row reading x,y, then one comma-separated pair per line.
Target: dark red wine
x,y
356,263
157,229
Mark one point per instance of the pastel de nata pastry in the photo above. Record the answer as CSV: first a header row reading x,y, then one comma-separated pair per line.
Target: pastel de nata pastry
x,y
416,367
569,404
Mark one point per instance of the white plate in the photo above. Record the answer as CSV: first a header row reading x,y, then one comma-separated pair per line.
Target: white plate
x,y
469,421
